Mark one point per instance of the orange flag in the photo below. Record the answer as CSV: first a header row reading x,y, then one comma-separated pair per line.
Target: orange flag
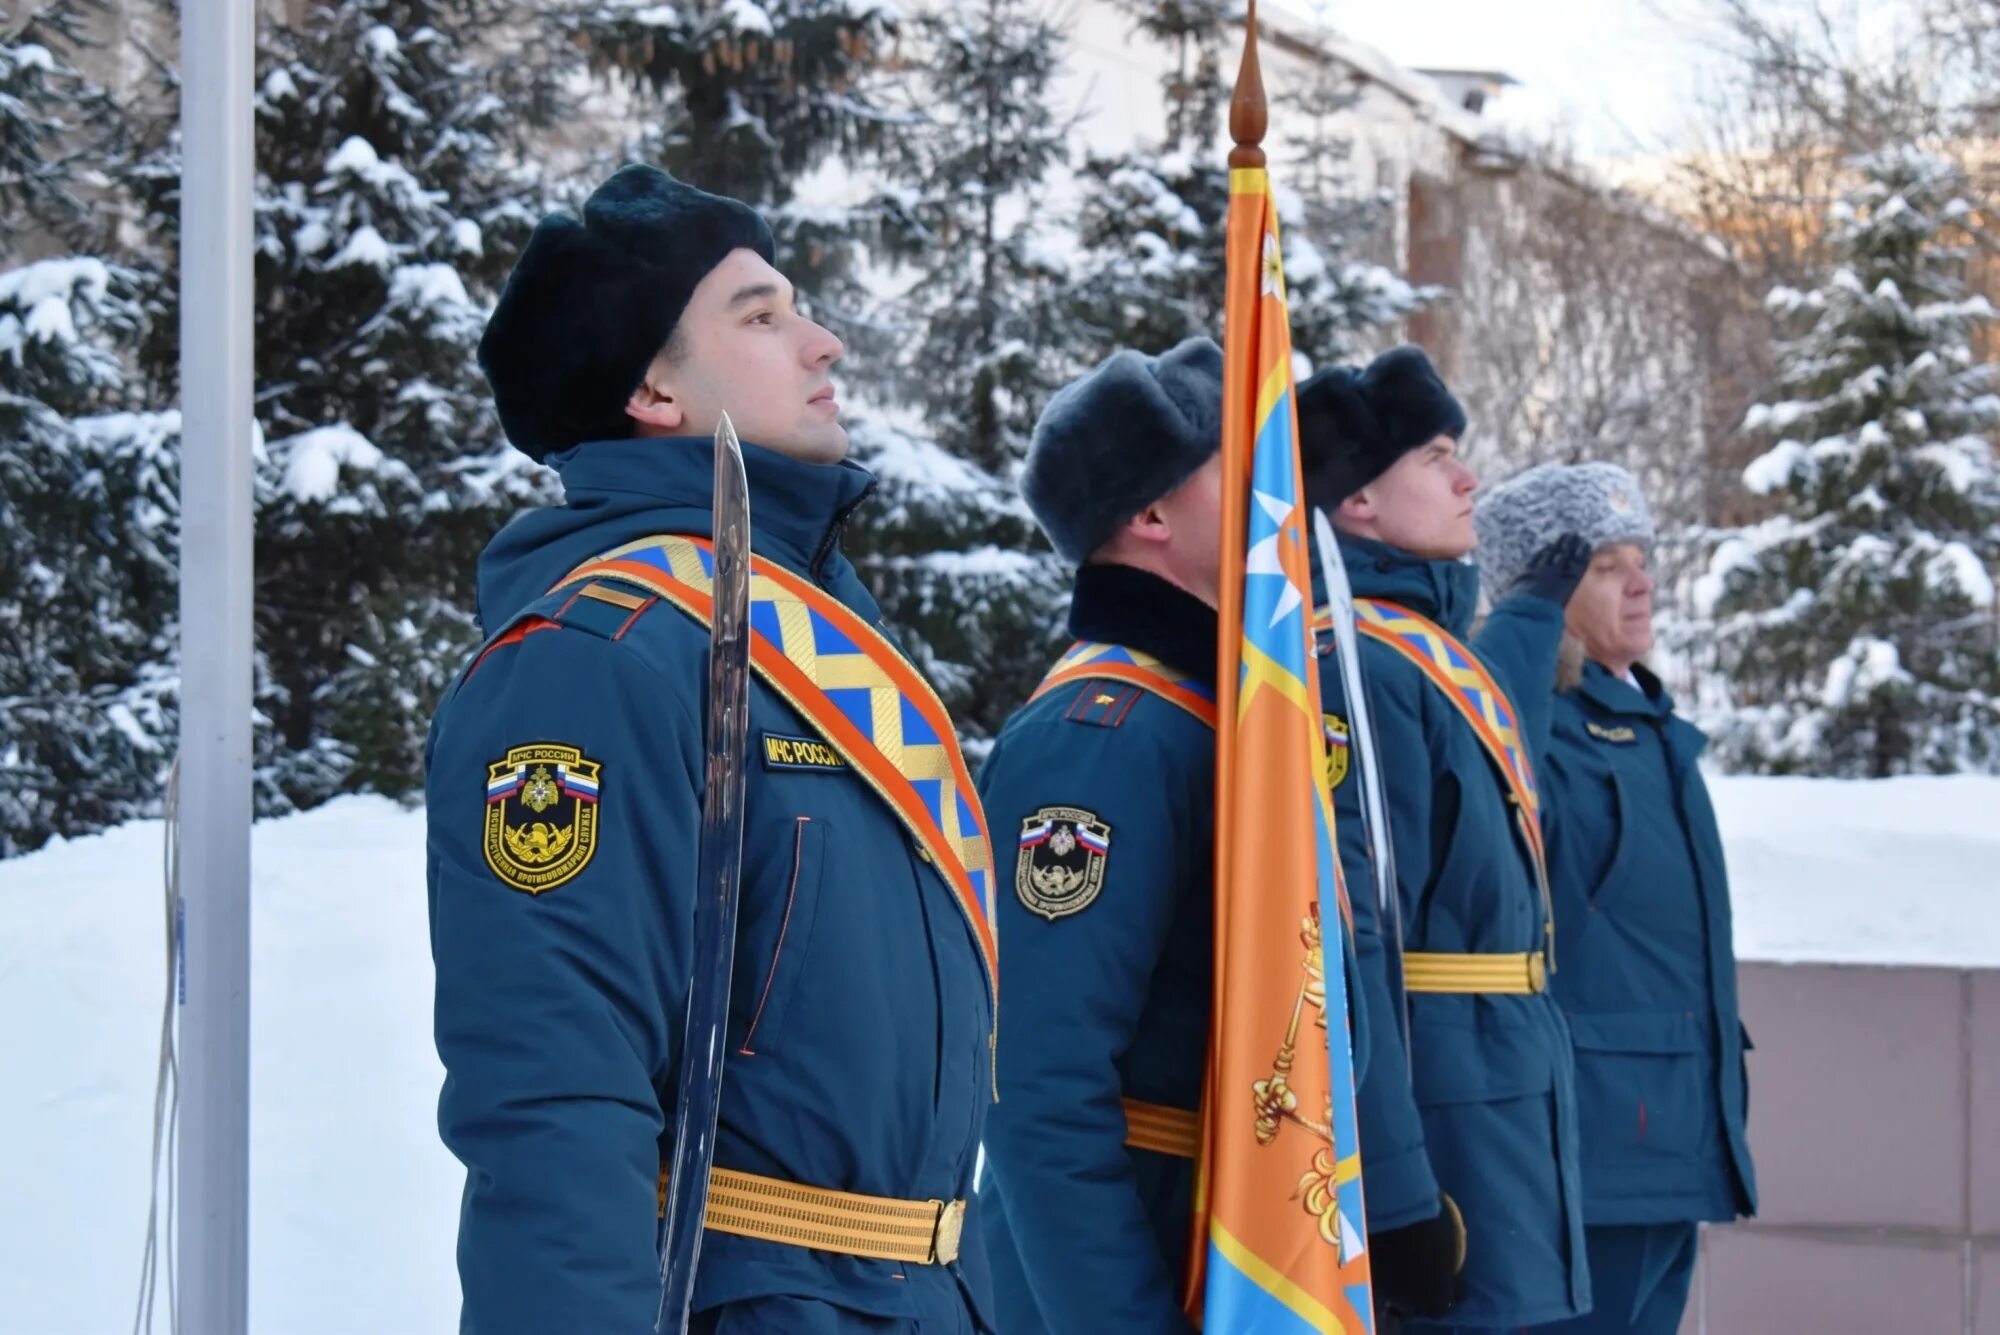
x,y
1281,1239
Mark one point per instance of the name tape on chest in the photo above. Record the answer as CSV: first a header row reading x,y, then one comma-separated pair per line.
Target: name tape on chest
x,y
800,753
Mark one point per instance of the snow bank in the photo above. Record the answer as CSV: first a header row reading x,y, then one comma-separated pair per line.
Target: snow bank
x,y
1895,871
353,1200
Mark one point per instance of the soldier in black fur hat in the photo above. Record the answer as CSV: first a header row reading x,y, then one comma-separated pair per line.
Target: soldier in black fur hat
x,y
1469,1149
564,782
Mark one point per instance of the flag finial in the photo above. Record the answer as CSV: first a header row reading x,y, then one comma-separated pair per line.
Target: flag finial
x,y
1249,114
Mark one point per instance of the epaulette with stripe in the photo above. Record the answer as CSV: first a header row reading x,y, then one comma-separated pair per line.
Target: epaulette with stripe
x,y
606,608
1102,702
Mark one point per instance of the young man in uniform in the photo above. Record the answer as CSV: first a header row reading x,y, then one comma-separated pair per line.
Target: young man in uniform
x,y
565,781
1105,784
1469,1149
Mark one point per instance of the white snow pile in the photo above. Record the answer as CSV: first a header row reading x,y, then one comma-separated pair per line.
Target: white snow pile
x,y
1890,871
353,1200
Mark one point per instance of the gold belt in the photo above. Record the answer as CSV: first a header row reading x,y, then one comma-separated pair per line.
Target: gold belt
x,y
1431,971
1163,1130
881,1228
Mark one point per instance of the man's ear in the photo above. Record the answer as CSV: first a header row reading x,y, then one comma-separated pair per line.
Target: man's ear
x,y
1149,525
654,403
1359,507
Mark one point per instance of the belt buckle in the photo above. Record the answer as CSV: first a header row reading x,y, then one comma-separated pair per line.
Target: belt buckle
x,y
947,1232
1538,972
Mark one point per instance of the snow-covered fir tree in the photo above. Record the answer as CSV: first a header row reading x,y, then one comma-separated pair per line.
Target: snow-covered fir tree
x,y
52,121
951,550
983,349
390,207
392,196
88,499
746,98
1152,224
1856,627
87,488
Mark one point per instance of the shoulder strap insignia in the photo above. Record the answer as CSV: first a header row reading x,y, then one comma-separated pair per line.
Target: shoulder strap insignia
x,y
1103,703
1109,666
605,608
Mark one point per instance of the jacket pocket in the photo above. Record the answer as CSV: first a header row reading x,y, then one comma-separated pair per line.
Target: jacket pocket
x,y
1639,1084
791,946
1464,1064
1618,861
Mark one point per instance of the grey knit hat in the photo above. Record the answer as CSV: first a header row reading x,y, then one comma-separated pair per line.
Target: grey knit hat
x,y
1516,519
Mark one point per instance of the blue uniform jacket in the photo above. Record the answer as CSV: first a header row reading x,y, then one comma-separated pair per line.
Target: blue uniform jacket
x,y
1648,977
1486,1110
860,1022
1083,1233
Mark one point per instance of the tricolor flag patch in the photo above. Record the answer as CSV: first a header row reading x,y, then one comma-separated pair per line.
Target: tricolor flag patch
x,y
1061,864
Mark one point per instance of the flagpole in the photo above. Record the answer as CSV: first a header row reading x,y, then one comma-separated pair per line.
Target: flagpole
x,y
1249,117
216,332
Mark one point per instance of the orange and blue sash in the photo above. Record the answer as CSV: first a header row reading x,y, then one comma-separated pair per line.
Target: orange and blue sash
x,y
857,690
1464,681
1087,660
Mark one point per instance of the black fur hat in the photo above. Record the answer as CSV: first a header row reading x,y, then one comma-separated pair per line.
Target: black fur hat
x,y
1109,445
1354,425
593,300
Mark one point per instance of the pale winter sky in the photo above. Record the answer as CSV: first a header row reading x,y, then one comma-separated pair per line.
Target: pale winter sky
x,y
1614,72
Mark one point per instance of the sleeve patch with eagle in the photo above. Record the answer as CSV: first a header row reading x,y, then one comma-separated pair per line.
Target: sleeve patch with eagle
x,y
1062,859
1336,750
541,815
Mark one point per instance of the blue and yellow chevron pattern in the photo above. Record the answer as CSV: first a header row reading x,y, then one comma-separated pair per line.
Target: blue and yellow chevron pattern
x,y
857,690
1479,699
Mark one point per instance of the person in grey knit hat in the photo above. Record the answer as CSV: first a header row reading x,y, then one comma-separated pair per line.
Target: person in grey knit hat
x,y
1641,897
1600,501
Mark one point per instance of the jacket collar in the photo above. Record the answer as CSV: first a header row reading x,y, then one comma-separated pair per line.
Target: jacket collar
x,y
1123,605
1445,591
796,509
1614,695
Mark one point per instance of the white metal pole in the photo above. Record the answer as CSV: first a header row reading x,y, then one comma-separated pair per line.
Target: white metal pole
x,y
217,69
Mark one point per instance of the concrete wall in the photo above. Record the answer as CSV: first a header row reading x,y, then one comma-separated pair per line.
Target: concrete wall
x,y
1875,1123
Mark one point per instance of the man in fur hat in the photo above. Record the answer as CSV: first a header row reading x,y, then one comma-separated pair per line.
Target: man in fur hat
x,y
1108,777
1469,1150
1104,784
564,784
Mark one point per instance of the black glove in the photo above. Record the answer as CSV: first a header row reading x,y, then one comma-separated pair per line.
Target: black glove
x,y
1555,571
1418,1268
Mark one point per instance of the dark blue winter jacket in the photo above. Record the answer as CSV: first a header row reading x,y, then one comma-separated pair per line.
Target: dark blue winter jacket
x,y
1109,1001
1648,976
1486,1110
860,1024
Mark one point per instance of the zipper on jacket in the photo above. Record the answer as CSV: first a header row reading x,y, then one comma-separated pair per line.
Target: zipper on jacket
x,y
830,542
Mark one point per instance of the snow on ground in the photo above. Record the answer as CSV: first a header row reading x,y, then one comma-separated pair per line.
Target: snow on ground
x,y
353,1201
1896,871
